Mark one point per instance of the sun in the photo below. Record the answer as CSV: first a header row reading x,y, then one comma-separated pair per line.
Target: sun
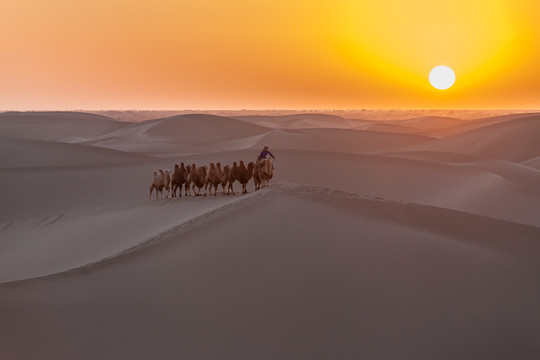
x,y
442,77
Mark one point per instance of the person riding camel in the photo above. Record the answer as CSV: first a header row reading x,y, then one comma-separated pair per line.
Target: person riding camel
x,y
265,153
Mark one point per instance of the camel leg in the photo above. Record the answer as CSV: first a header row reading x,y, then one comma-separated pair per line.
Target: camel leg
x,y
151,189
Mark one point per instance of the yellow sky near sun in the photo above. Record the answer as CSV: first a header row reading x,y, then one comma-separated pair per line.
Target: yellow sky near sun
x,y
210,54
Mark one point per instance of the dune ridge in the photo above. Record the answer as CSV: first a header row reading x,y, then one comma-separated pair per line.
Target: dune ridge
x,y
56,125
494,140
481,230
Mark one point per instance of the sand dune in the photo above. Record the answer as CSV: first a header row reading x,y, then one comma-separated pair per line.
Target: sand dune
x,y
533,163
298,121
53,244
514,140
477,123
55,125
496,189
367,279
427,123
16,153
177,135
387,127
368,244
336,140
209,134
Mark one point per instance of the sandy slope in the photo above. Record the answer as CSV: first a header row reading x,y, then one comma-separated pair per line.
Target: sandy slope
x,y
67,241
368,279
178,134
19,153
64,126
533,163
299,121
398,245
515,140
192,134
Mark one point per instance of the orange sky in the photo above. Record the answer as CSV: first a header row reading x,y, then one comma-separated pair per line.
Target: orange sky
x,y
234,54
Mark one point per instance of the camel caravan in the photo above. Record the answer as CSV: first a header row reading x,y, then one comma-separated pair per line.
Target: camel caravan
x,y
193,178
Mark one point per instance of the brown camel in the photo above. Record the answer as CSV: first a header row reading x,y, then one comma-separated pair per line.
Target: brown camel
x,y
213,179
234,169
167,179
243,174
157,184
256,174
197,178
192,174
178,179
266,172
225,178
219,173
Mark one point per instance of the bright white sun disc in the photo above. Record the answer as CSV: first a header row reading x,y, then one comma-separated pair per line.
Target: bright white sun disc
x,y
442,77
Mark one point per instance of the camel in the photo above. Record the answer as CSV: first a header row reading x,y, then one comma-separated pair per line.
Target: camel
x,y
191,174
197,177
157,184
243,174
213,179
225,177
266,172
230,187
219,174
178,179
256,174
167,178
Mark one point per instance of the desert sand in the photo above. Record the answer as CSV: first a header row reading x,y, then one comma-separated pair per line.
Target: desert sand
x,y
413,238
